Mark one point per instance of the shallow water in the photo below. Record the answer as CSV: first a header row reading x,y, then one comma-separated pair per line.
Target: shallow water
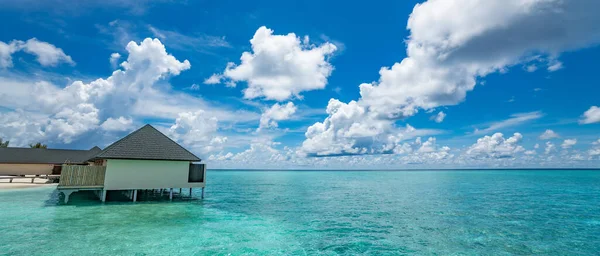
x,y
327,213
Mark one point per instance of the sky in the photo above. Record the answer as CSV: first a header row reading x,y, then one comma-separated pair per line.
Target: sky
x,y
310,84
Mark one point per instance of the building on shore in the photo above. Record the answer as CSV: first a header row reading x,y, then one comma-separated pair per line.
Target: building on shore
x,y
41,161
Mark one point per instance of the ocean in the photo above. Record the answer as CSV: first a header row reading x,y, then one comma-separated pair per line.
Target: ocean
x,y
322,213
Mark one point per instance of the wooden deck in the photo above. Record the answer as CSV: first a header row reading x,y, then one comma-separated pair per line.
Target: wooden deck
x,y
82,176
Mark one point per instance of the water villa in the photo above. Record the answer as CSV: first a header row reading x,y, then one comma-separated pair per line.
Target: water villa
x,y
145,160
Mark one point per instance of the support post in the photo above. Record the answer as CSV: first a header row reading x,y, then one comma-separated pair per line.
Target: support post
x,y
190,192
135,195
103,199
202,196
171,194
67,194
179,191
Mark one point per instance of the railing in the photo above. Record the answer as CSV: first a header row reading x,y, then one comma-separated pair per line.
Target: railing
x,y
82,176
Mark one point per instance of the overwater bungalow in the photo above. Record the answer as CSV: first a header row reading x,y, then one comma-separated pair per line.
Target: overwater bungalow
x,y
145,160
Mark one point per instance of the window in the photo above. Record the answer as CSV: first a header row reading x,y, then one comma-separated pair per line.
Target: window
x,y
196,173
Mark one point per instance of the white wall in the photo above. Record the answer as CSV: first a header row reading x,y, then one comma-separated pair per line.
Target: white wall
x,y
25,169
147,174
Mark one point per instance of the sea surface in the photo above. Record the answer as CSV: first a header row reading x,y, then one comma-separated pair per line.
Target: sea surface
x,y
322,213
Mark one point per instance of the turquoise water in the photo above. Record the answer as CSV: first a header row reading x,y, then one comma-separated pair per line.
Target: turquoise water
x,y
326,213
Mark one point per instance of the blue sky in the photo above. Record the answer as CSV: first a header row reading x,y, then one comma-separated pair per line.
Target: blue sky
x,y
280,84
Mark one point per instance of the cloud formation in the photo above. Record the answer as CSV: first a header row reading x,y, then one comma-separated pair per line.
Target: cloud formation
x,y
439,117
136,90
568,143
280,67
452,43
351,129
46,53
496,146
276,113
591,116
548,134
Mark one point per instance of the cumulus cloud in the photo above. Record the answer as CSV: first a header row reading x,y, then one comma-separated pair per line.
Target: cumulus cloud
x,y
549,147
197,129
496,146
213,79
117,124
595,150
63,114
276,113
439,117
46,53
548,134
591,116
351,129
6,51
280,66
447,53
568,143
114,59
453,43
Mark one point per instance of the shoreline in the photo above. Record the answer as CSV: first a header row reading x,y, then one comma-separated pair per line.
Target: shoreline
x,y
24,183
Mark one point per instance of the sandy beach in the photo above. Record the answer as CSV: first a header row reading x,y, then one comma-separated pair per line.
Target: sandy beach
x,y
23,183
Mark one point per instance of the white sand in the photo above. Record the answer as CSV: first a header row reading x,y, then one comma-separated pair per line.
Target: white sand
x,y
24,183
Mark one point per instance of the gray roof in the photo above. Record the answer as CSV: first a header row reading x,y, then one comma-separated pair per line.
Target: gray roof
x,y
45,156
147,143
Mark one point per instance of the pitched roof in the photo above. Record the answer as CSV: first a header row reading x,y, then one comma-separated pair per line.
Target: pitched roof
x,y
45,156
147,143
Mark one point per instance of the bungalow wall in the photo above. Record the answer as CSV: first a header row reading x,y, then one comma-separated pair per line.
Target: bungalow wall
x,y
147,174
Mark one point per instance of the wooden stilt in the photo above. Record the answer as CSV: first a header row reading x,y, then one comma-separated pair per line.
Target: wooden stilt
x,y
179,191
190,192
135,195
202,196
171,194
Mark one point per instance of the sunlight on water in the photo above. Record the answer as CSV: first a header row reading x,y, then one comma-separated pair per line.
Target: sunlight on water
x,y
307,213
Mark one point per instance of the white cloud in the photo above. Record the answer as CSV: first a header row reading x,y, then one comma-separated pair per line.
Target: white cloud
x,y
66,113
555,66
549,148
351,129
447,52
117,124
548,134
452,44
591,116
496,146
214,79
568,143
281,66
197,130
439,117
531,68
6,51
595,150
276,113
514,120
114,59
46,53
536,146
